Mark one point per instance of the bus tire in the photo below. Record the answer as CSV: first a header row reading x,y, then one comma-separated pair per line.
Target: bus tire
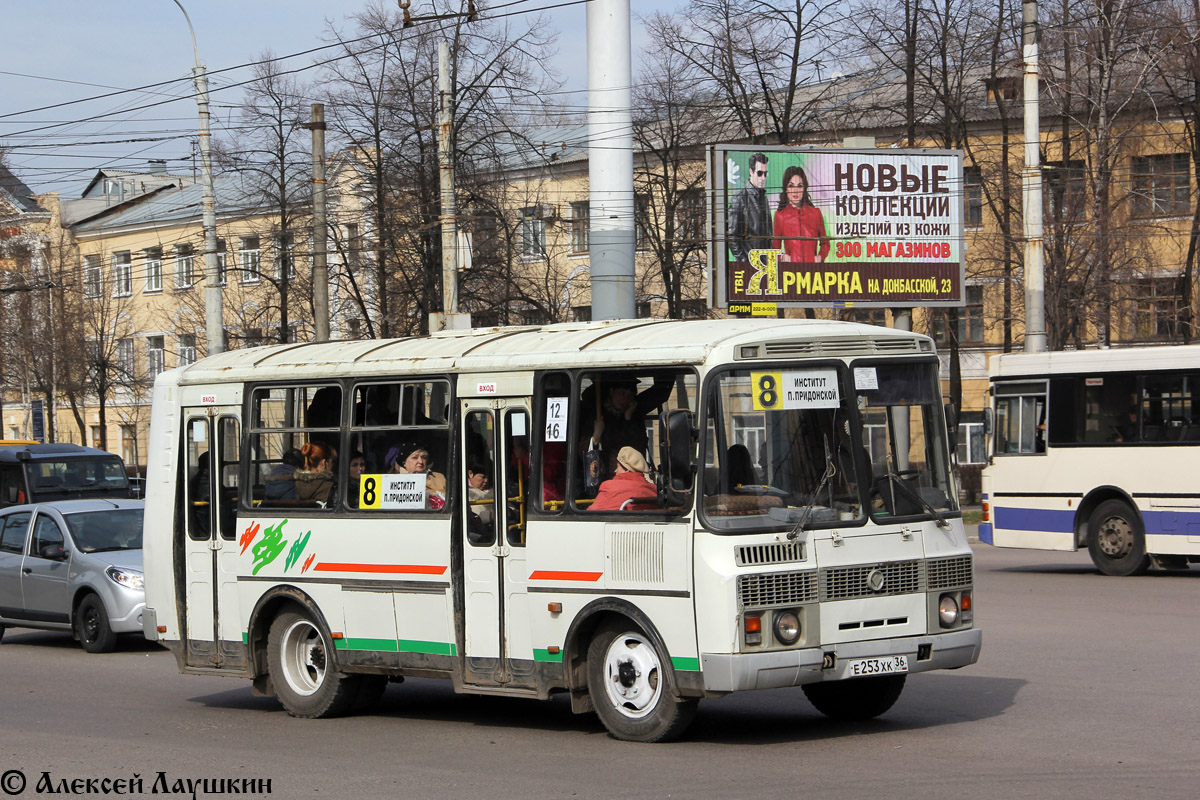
x,y
628,684
1116,540
302,672
855,699
92,627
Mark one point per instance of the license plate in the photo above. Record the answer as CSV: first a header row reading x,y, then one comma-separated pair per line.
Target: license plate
x,y
876,666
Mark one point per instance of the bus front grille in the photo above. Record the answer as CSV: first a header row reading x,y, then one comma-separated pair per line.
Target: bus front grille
x,y
777,589
870,580
948,572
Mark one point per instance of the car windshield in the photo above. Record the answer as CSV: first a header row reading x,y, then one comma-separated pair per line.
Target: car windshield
x,y
78,476
796,445
109,529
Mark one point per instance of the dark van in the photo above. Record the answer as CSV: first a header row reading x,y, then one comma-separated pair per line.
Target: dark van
x,y
39,473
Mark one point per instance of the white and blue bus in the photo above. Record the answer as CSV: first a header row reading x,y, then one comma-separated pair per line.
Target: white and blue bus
x,y
1097,449
455,517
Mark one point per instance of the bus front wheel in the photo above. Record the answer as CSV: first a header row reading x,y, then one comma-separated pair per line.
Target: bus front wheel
x,y
629,688
1116,541
855,699
302,671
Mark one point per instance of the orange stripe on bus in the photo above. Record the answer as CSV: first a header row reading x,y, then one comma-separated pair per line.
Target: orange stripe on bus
x,y
551,575
392,569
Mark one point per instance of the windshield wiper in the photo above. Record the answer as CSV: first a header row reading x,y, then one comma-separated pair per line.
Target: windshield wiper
x,y
894,481
830,471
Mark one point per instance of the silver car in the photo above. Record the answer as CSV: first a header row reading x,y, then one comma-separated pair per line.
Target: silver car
x,y
73,565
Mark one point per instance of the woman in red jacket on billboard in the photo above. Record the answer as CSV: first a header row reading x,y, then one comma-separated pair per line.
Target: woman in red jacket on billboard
x,y
799,225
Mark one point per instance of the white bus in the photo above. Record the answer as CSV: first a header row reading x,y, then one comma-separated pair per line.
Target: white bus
x,y
1096,449
769,552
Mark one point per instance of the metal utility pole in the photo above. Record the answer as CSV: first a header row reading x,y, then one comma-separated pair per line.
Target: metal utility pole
x,y
320,272
449,316
610,159
214,326
1031,185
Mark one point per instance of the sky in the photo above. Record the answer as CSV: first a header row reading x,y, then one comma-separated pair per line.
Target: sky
x,y
59,51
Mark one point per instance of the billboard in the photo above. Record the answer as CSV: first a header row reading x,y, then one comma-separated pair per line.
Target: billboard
x,y
824,227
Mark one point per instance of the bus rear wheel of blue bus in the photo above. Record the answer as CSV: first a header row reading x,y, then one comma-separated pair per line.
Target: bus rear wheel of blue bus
x,y
1116,541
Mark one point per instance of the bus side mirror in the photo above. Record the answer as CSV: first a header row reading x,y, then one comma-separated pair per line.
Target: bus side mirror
x,y
952,425
987,421
677,433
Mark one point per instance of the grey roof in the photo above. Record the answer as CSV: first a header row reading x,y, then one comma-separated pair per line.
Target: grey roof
x,y
18,193
233,198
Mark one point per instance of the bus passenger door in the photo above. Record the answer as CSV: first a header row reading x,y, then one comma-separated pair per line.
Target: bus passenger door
x,y
212,439
495,464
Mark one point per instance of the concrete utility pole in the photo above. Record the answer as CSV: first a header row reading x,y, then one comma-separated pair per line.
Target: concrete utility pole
x,y
610,159
1031,185
449,316
320,272
214,325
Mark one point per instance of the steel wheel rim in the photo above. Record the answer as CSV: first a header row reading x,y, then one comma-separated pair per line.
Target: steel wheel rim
x,y
632,675
91,624
303,657
1115,537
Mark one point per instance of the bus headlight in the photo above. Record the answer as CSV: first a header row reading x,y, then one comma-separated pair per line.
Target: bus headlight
x,y
787,627
948,611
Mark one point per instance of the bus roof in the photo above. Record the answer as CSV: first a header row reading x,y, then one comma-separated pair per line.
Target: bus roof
x,y
1067,362
614,343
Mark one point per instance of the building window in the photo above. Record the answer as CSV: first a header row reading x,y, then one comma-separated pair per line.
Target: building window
x,y
185,266
93,276
221,262
689,217
641,222
285,256
125,359
95,436
1065,189
129,448
973,195
694,309
1162,185
972,442
354,243
1156,308
970,319
581,221
155,356
532,235
152,261
248,256
187,349
122,265
581,313
642,310
254,337
354,328
867,316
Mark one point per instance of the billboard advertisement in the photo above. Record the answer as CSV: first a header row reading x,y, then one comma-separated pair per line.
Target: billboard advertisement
x,y
824,227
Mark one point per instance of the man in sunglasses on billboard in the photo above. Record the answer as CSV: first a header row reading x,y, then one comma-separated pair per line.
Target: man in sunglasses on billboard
x,y
749,223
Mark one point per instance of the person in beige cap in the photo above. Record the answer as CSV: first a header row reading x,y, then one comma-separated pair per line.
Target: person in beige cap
x,y
630,483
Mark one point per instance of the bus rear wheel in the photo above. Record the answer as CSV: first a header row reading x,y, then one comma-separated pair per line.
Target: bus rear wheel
x,y
855,699
1116,541
629,687
302,671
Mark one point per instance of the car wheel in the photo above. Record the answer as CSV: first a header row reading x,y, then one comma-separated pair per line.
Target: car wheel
x,y
92,627
629,687
855,699
1116,541
302,671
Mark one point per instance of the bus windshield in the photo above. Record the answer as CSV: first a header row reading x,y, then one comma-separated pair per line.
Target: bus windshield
x,y
793,446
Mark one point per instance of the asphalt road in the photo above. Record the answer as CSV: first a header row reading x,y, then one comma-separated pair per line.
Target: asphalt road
x,y
1083,691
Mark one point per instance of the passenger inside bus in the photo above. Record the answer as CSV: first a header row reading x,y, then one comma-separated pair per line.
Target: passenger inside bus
x,y
280,481
629,489
357,466
620,416
410,458
479,490
739,468
314,482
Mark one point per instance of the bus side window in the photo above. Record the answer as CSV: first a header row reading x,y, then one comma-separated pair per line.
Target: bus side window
x,y
480,449
516,444
553,412
230,438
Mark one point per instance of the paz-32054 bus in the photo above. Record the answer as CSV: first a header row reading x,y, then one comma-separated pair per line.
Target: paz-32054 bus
x,y
324,518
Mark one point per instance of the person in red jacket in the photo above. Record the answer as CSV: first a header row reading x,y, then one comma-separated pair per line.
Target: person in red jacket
x,y
629,483
799,225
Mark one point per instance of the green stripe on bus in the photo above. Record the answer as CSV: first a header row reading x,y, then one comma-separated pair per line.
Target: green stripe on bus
x,y
433,648
686,664
394,646
245,637
546,655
